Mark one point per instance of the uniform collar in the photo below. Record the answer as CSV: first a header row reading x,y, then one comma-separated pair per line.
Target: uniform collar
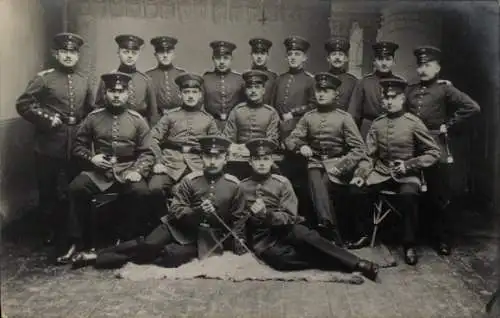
x,y
127,69
165,67
63,69
213,176
326,108
190,108
336,71
259,67
383,74
222,73
260,177
296,70
254,105
396,114
429,82
116,110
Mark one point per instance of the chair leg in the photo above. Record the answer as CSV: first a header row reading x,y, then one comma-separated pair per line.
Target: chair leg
x,y
93,224
376,220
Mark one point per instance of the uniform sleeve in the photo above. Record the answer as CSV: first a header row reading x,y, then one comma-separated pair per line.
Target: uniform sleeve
x,y
426,148
231,130
143,150
29,105
310,96
181,204
212,130
82,147
354,141
349,92
152,115
100,99
239,213
273,130
356,103
462,105
88,103
287,211
366,163
298,136
157,135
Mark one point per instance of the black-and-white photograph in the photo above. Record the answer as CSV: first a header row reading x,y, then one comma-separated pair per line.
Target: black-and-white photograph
x,y
250,158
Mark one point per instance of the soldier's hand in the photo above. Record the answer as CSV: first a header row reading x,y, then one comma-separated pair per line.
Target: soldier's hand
x,y
258,207
306,151
358,181
399,167
133,176
159,168
443,129
56,121
101,161
207,207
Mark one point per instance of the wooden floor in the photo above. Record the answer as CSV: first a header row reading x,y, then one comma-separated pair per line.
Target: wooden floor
x,y
458,286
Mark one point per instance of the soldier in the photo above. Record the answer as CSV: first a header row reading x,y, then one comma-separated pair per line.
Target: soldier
x,y
198,199
260,57
110,139
338,57
163,76
441,107
276,233
399,145
55,102
173,138
294,90
365,100
330,141
223,88
142,97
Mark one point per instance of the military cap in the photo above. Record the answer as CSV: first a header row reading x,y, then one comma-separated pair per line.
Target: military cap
x,y
337,44
116,80
296,43
222,47
189,80
327,80
392,86
260,45
214,144
382,49
67,41
426,54
261,147
163,43
129,41
255,76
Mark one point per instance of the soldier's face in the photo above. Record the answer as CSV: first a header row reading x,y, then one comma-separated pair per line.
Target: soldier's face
x,y
384,64
261,164
214,163
337,59
260,58
428,70
117,97
128,57
222,62
393,102
165,57
67,58
325,96
255,92
191,96
296,58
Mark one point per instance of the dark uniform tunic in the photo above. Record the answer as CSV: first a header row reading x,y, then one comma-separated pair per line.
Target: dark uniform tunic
x,y
436,104
345,89
168,95
222,92
142,96
278,238
269,87
365,104
55,92
337,144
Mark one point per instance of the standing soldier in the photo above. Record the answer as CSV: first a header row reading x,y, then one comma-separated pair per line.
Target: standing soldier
x,y
112,139
330,141
223,88
365,103
173,138
56,101
142,97
338,57
441,107
260,57
399,145
163,76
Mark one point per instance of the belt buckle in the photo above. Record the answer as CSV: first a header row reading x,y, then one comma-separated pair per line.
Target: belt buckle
x,y
71,120
223,116
186,149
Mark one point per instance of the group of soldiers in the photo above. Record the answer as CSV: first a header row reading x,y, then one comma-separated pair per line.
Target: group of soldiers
x,y
167,140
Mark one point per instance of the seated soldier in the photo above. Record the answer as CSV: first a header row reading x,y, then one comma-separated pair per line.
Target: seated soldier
x,y
112,139
275,232
251,119
328,137
399,145
200,199
173,139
